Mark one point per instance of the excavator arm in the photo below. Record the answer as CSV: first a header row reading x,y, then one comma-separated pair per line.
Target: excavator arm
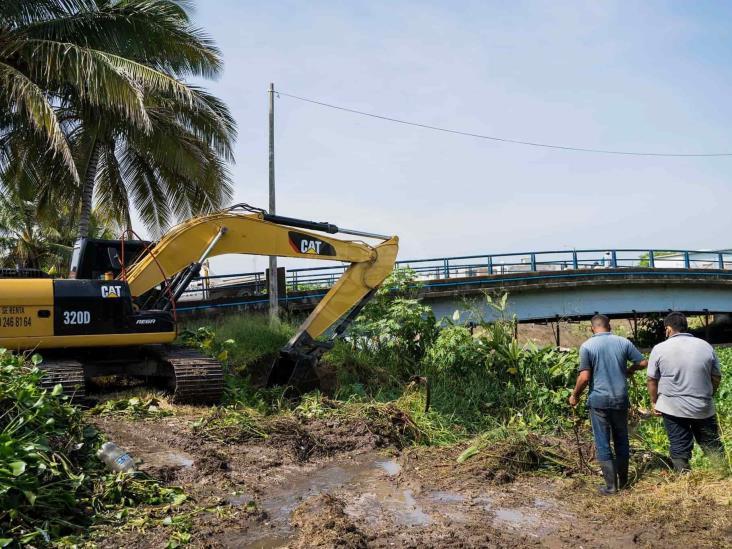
x,y
185,247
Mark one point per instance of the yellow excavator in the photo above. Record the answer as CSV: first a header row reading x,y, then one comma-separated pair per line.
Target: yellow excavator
x,y
115,314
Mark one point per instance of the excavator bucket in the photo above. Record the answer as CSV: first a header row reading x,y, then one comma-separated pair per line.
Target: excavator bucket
x,y
296,371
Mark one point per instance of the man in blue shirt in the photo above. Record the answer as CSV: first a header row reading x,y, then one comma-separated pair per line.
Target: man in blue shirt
x,y
604,365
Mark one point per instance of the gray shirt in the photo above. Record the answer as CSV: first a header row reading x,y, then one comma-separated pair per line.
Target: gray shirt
x,y
607,356
683,366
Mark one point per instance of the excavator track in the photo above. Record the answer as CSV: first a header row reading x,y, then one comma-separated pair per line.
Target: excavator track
x,y
68,373
194,378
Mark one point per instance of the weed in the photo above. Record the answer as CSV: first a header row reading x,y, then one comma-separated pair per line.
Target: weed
x,y
137,407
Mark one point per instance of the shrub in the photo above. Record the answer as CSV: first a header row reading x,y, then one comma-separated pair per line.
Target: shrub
x,y
395,326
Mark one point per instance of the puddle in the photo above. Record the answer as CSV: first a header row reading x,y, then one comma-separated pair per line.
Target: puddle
x,y
486,502
177,460
238,500
446,497
391,467
365,475
270,542
399,505
514,517
543,504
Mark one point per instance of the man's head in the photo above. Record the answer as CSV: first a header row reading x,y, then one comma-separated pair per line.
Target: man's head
x,y
600,324
675,323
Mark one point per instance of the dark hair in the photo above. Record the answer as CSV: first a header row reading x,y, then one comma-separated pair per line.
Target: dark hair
x,y
601,321
677,321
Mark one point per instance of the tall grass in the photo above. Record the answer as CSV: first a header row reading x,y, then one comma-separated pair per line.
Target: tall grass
x,y
252,340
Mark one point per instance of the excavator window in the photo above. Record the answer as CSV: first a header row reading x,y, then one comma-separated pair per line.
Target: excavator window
x,y
93,257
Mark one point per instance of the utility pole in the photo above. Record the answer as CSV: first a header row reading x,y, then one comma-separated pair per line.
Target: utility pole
x,y
273,297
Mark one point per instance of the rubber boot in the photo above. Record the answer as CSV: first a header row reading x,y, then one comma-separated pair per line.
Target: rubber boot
x,y
610,475
681,465
622,473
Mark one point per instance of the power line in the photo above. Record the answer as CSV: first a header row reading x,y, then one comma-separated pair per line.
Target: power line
x,y
493,138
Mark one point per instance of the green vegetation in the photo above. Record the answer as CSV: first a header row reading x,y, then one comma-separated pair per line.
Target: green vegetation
x,y
51,483
94,101
483,385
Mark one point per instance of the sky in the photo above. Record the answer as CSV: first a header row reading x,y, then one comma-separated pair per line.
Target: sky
x,y
639,76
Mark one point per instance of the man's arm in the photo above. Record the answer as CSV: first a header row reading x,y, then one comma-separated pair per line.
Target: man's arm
x,y
583,379
635,356
654,373
716,380
653,393
638,366
716,373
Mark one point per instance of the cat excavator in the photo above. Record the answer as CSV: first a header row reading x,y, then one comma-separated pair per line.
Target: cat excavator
x,y
115,314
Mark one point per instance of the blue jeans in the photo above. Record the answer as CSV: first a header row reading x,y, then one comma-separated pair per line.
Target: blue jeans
x,y
607,424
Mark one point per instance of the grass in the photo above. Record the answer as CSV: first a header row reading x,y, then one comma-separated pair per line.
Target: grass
x,y
257,342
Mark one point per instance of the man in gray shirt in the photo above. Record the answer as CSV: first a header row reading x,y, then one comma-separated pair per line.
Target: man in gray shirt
x,y
683,375
604,363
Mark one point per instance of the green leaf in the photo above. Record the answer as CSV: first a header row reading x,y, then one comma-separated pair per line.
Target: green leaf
x,y
4,542
17,468
57,390
30,496
468,453
179,498
36,359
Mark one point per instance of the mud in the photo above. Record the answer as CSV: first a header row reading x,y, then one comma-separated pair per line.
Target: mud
x,y
344,483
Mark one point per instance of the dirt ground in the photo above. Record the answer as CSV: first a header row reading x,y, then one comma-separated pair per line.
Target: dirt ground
x,y
345,483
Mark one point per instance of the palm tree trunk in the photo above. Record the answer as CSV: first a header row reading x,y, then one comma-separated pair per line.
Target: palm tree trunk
x,y
87,192
128,221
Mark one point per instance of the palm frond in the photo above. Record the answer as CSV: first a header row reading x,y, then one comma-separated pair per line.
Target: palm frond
x,y
20,93
157,33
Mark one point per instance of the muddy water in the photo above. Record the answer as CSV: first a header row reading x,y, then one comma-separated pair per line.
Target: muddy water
x,y
370,487
366,476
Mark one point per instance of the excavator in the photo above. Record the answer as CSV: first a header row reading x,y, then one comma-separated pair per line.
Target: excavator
x,y
115,313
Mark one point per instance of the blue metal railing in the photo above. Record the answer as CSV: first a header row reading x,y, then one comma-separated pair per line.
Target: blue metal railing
x,y
207,287
446,268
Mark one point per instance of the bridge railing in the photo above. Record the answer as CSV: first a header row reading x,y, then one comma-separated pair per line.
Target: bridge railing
x,y
311,278
526,262
207,287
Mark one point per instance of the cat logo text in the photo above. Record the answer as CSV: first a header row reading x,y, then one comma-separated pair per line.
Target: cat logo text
x,y
306,244
111,291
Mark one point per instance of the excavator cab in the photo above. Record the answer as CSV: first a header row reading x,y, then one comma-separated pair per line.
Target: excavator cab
x,y
93,258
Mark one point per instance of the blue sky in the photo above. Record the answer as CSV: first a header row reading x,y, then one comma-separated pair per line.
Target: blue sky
x,y
647,76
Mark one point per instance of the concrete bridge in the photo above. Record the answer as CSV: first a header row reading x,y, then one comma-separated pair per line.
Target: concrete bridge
x,y
542,286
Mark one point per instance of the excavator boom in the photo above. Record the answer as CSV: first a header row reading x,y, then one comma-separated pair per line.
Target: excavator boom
x,y
230,232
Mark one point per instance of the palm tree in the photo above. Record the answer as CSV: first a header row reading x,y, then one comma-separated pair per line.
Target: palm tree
x,y
42,238
117,115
